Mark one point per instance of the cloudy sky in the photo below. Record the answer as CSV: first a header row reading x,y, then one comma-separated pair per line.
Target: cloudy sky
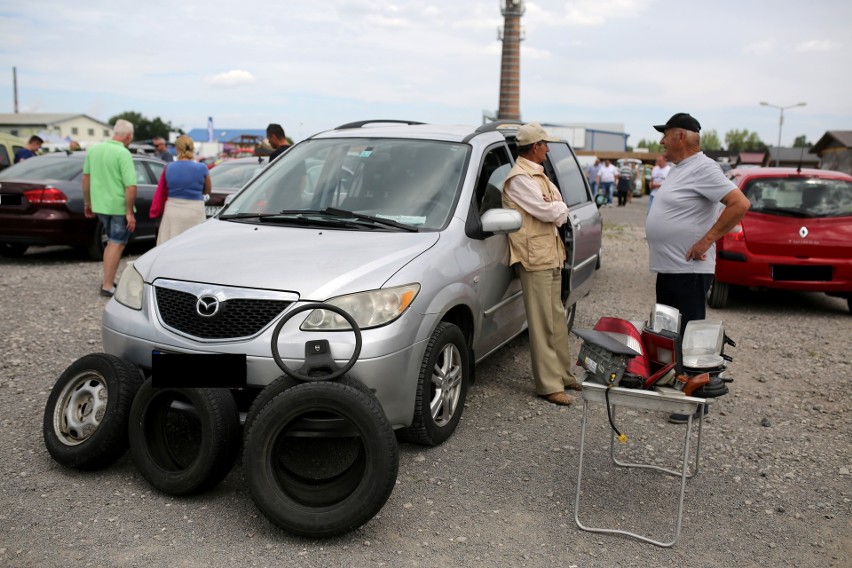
x,y
314,65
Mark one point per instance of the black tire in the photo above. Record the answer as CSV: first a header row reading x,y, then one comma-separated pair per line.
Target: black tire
x,y
717,296
184,440
13,250
282,384
95,250
443,381
321,482
85,419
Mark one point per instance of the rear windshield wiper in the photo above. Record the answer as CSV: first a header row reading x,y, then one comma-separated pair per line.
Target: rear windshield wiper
x,y
371,219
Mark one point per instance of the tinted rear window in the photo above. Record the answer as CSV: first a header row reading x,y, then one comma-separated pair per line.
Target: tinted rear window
x,y
800,196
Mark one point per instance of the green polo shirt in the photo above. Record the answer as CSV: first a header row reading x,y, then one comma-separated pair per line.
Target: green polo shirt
x,y
110,169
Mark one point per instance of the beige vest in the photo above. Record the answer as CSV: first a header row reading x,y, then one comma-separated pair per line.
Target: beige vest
x,y
537,245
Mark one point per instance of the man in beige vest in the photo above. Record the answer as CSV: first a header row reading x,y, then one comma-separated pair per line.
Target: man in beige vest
x,y
537,253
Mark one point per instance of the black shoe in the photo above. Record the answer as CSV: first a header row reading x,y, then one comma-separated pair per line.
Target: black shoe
x,y
684,418
107,293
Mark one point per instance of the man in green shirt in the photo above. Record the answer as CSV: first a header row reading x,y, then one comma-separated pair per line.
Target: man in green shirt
x,y
109,191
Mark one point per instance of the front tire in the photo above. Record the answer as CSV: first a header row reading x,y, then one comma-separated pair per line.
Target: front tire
x,y
717,296
441,387
86,416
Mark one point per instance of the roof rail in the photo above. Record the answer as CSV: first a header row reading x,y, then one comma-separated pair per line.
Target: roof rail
x,y
500,125
362,123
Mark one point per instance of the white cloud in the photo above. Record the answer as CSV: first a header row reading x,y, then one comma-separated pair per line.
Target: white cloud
x,y
764,47
817,45
232,78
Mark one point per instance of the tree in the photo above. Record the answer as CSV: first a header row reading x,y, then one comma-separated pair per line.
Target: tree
x,y
650,145
710,141
145,128
743,140
801,142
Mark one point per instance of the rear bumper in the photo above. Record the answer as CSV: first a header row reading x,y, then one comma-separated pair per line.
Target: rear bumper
x,y
787,273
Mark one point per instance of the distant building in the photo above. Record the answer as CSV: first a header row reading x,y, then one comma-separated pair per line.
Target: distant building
x,y
790,157
55,127
597,137
835,151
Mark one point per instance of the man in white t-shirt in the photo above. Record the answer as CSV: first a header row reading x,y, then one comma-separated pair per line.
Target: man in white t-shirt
x,y
606,180
658,175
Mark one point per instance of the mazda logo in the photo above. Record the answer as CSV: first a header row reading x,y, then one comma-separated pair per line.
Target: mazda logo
x,y
803,232
207,306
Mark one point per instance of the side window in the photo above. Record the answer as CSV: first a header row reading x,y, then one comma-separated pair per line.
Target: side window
x,y
142,175
5,161
489,186
570,177
156,169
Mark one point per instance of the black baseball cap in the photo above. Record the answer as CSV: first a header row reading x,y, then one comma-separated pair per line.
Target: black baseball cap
x,y
680,120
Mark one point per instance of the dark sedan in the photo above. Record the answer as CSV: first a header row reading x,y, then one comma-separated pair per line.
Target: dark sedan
x,y
229,177
41,204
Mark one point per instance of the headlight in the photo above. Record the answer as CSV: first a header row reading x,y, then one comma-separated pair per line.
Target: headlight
x,y
368,309
130,287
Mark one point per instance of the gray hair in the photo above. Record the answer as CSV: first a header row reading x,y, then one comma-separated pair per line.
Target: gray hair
x,y
123,128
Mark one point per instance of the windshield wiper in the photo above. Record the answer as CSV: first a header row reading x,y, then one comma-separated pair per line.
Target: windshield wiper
x,y
371,219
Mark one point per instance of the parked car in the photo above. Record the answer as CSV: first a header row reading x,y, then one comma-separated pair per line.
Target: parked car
x,y
8,146
41,204
797,235
400,225
229,177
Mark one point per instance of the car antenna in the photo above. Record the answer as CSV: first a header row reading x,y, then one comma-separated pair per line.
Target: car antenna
x,y
801,159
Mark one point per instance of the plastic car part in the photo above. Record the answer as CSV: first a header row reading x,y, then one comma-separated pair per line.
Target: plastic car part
x,y
319,364
85,419
317,482
184,441
441,387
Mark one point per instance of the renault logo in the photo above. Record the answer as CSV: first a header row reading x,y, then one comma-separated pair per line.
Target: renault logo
x,y
803,232
207,306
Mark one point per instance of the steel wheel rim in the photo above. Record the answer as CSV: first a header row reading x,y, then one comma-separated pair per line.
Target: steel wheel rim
x,y
446,385
81,408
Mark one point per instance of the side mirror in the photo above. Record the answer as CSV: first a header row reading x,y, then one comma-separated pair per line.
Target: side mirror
x,y
501,221
600,200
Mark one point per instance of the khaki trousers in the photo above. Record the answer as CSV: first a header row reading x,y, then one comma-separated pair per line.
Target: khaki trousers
x,y
550,353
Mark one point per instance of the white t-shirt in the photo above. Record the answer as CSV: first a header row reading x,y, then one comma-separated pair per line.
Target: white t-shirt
x,y
608,173
684,209
658,175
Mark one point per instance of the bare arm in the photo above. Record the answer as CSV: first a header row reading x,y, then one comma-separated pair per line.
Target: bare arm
x,y
129,203
87,199
736,204
207,185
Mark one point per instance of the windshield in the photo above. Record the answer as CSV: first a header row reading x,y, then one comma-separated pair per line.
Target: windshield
x,y
48,167
233,176
800,196
412,182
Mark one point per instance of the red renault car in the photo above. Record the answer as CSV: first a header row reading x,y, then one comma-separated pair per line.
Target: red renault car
x,y
797,235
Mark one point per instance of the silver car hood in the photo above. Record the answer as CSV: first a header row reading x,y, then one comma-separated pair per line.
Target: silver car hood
x,y
314,263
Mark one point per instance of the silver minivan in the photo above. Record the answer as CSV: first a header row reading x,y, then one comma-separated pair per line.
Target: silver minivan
x,y
399,224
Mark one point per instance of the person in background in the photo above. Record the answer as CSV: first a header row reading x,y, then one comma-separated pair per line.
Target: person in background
x,y
592,175
32,146
162,151
277,139
189,184
74,146
606,180
684,224
625,182
109,191
537,253
658,175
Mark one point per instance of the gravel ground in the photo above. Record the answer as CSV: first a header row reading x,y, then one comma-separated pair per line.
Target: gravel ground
x,y
774,488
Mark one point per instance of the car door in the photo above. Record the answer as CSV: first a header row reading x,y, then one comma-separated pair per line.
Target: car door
x,y
582,235
498,289
147,175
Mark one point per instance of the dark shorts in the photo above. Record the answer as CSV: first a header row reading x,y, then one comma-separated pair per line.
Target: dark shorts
x,y
116,228
685,292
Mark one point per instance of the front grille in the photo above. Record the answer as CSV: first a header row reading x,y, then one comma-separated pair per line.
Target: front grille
x,y
236,318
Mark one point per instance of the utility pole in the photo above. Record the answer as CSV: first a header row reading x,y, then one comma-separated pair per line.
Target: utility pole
x,y
510,63
15,86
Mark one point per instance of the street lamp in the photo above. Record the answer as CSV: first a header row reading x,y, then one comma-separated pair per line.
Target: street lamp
x,y
780,124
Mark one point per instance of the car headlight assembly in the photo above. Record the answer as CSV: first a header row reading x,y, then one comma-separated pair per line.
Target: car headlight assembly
x,y
130,287
369,309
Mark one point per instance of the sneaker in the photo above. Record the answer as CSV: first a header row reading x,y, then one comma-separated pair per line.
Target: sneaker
x,y
107,293
684,418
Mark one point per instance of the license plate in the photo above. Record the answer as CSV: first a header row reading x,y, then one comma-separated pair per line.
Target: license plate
x,y
211,210
198,370
10,198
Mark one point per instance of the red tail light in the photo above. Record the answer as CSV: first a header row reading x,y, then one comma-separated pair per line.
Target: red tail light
x,y
46,196
735,234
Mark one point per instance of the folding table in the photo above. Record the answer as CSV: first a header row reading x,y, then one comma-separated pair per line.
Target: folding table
x,y
664,399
